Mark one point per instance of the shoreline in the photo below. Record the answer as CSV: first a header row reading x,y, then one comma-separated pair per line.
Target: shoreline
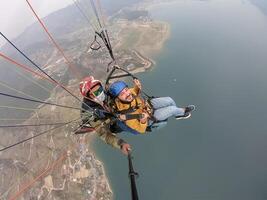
x,y
149,63
143,54
147,54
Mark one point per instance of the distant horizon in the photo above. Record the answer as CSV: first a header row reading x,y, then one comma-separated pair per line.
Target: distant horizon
x,y
15,23
25,18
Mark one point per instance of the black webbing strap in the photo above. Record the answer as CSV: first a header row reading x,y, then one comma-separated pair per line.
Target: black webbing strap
x,y
106,41
133,116
95,45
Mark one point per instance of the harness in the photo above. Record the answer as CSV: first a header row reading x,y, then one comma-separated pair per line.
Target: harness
x,y
144,97
129,110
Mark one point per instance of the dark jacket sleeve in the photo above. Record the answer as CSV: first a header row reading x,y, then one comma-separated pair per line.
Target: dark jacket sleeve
x,y
91,111
96,118
108,137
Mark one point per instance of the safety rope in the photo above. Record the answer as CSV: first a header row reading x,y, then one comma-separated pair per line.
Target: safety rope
x,y
103,34
36,101
76,3
18,108
25,56
53,41
32,80
27,68
61,158
127,73
96,13
40,75
18,91
100,12
53,80
29,125
17,119
37,135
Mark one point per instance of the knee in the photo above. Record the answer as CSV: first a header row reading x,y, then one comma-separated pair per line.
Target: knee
x,y
171,101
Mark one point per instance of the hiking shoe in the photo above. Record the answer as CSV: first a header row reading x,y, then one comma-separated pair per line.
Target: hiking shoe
x,y
185,116
189,108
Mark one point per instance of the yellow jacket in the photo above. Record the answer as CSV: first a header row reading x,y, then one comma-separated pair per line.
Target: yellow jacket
x,y
139,106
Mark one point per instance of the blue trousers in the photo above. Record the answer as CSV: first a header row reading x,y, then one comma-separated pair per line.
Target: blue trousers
x,y
164,108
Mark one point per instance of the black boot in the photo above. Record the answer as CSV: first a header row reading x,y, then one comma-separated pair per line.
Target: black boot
x,y
189,108
187,112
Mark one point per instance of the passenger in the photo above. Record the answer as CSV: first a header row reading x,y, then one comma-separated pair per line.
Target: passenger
x,y
138,115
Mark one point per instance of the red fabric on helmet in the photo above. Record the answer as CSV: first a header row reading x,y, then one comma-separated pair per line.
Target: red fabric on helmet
x,y
87,84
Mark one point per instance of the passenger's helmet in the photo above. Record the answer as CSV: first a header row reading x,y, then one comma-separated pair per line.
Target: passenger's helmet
x,y
116,88
87,84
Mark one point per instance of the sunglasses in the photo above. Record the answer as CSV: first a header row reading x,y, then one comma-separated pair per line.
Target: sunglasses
x,y
98,91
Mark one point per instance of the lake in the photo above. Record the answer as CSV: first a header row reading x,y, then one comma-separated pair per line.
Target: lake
x,y
216,59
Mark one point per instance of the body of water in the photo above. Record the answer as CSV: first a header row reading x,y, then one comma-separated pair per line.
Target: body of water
x,y
215,58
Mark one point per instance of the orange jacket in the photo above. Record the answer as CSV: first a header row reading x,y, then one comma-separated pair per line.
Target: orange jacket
x,y
139,106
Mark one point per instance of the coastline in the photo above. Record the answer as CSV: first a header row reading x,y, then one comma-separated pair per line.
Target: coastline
x,y
182,160
145,51
146,56
66,173
77,165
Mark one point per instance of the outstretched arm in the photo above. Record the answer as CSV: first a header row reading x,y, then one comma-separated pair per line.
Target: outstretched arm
x,y
112,139
137,86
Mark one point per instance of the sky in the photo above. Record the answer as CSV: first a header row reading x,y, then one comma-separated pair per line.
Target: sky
x,y
16,15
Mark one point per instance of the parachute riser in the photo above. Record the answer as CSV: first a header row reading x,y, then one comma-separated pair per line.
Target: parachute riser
x,y
95,45
127,73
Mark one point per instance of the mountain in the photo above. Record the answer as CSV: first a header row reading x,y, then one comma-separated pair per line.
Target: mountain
x,y
64,21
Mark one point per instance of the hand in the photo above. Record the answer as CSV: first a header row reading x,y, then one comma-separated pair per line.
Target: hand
x,y
122,117
125,148
145,117
138,83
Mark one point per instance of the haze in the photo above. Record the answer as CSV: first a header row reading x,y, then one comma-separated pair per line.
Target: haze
x,y
16,16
